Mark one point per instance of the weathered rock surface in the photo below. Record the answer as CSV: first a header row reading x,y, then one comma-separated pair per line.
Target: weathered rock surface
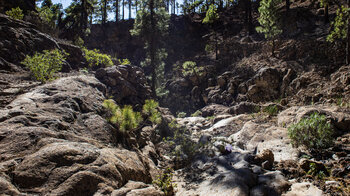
x,y
19,38
304,189
127,84
53,141
339,118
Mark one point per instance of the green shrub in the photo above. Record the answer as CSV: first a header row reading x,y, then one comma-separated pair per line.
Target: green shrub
x,y
272,110
44,65
112,109
129,120
95,58
15,13
181,115
181,144
314,132
165,183
196,113
124,61
79,42
190,68
125,118
316,172
150,110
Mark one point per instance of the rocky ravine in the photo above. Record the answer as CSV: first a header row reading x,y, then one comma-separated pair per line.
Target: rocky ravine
x,y
260,155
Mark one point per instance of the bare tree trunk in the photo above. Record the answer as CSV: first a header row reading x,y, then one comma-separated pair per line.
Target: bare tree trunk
x,y
248,16
129,9
104,12
287,5
348,39
273,47
116,10
152,49
84,17
123,9
326,13
174,6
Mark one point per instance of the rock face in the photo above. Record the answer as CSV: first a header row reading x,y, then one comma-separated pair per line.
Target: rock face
x,y
340,119
19,38
127,84
53,141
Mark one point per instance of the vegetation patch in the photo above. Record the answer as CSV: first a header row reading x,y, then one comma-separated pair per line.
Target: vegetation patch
x,y
43,66
127,119
272,110
96,58
15,13
314,132
165,183
190,68
150,110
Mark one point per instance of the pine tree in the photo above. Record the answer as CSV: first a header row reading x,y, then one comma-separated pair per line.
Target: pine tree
x,y
268,21
341,28
210,17
77,15
151,24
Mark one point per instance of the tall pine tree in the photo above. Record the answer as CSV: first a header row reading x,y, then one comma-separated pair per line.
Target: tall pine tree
x,y
151,24
268,21
341,28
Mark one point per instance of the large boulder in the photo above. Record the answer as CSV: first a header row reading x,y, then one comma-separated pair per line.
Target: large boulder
x,y
258,137
264,86
53,141
127,84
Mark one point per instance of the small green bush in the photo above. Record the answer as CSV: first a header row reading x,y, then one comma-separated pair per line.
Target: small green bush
x,y
124,61
272,110
181,115
316,172
125,118
165,183
79,42
196,114
314,132
190,68
129,120
44,65
96,58
181,144
15,13
150,110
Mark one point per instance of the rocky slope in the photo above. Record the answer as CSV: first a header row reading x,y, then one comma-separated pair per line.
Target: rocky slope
x,y
260,156
55,140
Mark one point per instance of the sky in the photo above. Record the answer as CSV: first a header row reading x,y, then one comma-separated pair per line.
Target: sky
x,y
111,16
